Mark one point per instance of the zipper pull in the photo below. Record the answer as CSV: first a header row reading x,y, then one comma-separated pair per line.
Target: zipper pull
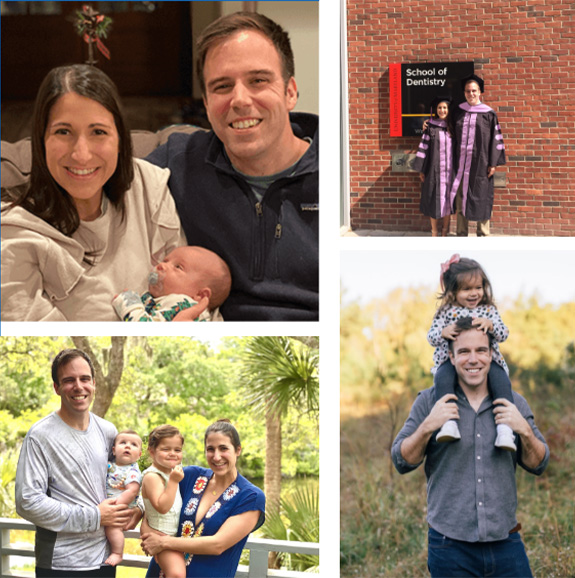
x,y
278,231
259,211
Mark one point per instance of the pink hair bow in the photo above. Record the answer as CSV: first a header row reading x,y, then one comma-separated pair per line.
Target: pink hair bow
x,y
445,267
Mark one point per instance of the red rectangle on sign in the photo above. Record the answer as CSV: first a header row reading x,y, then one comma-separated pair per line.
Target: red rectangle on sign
x,y
395,123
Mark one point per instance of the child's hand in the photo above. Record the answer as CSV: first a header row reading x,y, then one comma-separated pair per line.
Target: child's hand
x,y
483,324
128,298
177,474
450,332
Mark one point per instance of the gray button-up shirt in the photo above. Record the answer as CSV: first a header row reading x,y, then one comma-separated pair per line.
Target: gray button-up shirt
x,y
471,491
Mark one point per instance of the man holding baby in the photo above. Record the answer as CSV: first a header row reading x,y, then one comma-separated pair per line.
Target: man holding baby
x,y
61,478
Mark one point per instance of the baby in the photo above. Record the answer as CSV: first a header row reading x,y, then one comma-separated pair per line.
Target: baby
x,y
123,481
191,278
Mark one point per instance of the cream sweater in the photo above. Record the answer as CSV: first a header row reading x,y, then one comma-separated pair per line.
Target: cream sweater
x,y
44,277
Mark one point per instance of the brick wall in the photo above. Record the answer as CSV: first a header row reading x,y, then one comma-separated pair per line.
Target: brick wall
x,y
525,51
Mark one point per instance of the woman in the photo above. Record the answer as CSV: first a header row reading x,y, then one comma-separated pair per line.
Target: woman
x,y
92,219
220,509
434,161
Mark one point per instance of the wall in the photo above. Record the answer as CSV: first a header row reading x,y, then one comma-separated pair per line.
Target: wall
x,y
301,21
524,51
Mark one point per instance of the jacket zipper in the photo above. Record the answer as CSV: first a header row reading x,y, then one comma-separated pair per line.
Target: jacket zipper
x,y
259,252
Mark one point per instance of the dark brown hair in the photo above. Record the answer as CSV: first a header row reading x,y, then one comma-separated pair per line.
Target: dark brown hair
x,y
224,427
43,196
161,432
232,23
448,118
64,357
466,324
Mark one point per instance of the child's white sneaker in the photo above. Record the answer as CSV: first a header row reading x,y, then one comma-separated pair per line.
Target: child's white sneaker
x,y
505,439
449,432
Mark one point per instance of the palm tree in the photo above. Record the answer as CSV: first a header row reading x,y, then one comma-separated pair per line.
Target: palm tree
x,y
301,510
279,373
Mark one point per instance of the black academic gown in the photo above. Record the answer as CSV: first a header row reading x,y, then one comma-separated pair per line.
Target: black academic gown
x,y
435,160
478,145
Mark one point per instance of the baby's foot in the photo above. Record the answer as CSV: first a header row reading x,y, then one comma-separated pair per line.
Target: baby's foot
x,y
449,432
113,559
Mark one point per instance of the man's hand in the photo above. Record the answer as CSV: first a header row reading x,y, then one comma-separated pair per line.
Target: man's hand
x,y
483,324
177,474
441,412
413,447
193,312
490,172
112,514
508,414
136,516
422,177
450,332
532,449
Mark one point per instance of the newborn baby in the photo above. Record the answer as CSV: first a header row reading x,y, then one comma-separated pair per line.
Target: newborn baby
x,y
189,278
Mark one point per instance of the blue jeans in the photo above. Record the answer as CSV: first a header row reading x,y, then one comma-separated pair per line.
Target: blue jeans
x,y
447,558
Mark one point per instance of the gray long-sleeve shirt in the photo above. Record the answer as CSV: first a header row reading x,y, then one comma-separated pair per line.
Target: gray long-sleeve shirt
x,y
471,491
60,480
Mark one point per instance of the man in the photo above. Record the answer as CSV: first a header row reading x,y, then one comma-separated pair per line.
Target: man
x,y
61,478
248,190
471,490
478,150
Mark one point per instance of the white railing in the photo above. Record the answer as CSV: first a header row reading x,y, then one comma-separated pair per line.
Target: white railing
x,y
259,549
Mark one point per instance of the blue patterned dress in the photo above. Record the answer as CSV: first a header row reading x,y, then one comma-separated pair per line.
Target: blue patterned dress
x,y
241,496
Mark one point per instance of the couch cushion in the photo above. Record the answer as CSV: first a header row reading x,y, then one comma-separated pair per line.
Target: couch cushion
x,y
16,161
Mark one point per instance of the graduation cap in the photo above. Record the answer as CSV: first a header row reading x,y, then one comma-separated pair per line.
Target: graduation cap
x,y
475,78
439,99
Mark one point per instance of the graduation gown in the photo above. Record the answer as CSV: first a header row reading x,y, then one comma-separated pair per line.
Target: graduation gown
x,y
478,145
435,160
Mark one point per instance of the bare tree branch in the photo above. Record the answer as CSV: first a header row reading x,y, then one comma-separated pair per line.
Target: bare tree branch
x,y
312,342
106,385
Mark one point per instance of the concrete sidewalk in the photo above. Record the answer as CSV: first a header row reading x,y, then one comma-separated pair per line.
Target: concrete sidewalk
x,y
347,232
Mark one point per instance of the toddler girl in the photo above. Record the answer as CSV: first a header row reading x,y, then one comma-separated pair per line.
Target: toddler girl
x,y
161,493
467,293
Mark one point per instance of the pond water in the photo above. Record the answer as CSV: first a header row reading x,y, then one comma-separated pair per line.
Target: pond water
x,y
289,485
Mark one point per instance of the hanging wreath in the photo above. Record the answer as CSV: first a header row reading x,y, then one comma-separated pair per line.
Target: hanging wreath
x,y
92,27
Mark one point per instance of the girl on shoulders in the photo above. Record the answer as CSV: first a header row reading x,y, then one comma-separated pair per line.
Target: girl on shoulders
x,y
467,293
